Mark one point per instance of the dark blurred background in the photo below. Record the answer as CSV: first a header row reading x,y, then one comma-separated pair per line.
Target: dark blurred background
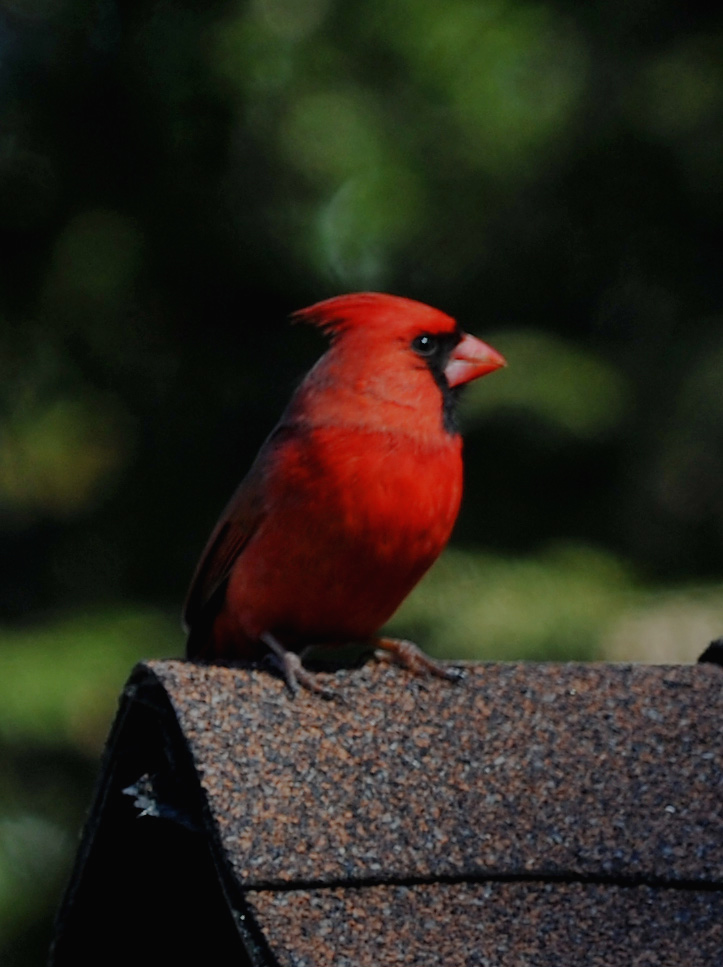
x,y
176,177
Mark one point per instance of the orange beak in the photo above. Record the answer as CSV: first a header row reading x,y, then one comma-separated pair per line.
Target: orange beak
x,y
470,359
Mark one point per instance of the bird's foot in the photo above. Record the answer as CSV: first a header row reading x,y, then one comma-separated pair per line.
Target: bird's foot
x,y
293,671
411,657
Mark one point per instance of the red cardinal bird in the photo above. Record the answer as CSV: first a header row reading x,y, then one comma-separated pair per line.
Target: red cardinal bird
x,y
350,499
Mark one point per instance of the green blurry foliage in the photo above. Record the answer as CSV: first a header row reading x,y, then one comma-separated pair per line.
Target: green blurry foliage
x,y
59,681
33,855
680,89
510,76
665,625
496,86
57,456
93,268
557,605
175,178
62,440
554,381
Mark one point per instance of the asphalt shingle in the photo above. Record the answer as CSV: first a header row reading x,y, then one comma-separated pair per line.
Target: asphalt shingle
x,y
528,814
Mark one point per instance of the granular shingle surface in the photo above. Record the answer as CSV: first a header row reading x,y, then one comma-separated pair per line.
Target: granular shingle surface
x,y
579,770
526,816
465,924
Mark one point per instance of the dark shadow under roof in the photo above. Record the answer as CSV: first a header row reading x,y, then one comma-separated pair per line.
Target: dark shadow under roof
x,y
531,814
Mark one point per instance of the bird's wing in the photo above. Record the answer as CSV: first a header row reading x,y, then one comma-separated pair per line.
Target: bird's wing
x,y
237,525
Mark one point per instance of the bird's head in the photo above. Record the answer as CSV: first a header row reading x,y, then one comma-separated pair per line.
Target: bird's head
x,y
386,346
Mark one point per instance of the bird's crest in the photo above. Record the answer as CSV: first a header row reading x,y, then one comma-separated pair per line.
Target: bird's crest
x,y
367,310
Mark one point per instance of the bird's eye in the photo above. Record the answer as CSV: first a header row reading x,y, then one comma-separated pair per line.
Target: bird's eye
x,y
426,344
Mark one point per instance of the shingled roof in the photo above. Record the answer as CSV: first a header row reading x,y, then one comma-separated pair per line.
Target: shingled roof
x,y
527,815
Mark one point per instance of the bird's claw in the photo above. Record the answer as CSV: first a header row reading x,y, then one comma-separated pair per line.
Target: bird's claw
x,y
290,666
401,651
411,657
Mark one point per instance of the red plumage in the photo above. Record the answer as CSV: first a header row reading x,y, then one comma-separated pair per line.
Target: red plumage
x,y
353,495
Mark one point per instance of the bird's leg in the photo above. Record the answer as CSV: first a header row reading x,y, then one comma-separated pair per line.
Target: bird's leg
x,y
292,669
411,657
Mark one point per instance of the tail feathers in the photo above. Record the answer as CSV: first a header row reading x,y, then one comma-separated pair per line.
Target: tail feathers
x,y
213,637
